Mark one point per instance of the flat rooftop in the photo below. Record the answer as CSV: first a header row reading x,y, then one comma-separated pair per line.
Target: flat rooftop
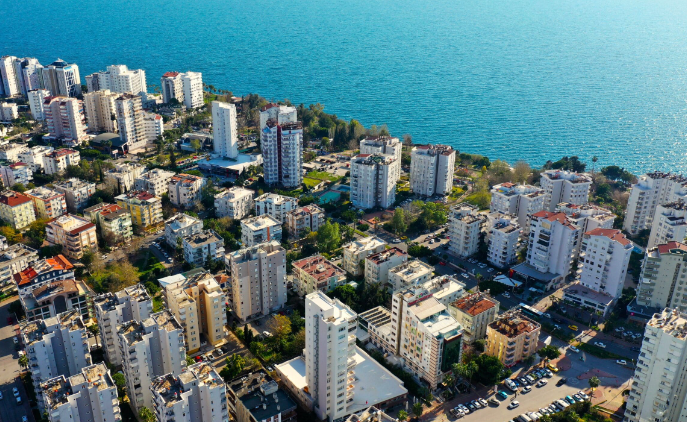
x,y
260,222
584,292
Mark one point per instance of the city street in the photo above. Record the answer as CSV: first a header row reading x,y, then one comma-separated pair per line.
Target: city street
x,y
9,372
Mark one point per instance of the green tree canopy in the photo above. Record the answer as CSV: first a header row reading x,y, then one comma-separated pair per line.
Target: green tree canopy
x,y
328,237
398,222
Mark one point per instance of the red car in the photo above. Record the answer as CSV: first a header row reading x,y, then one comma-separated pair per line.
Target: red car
x,y
10,320
442,263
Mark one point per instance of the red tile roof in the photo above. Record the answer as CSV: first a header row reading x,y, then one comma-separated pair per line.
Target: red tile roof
x,y
269,106
61,152
667,247
612,234
170,74
474,304
554,216
58,262
507,184
318,267
13,199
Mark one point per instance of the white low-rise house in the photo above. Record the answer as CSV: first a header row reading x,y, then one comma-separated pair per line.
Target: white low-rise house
x,y
565,186
200,247
373,180
378,265
604,258
184,189
304,219
669,224
519,200
503,239
14,173
474,313
10,152
124,175
664,277
155,181
180,226
408,274
275,205
464,226
57,161
260,229
354,253
235,202
431,169
76,192
8,112
90,392
35,156
47,203
652,190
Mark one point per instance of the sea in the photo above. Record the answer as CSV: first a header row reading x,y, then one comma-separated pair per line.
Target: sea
x,y
531,80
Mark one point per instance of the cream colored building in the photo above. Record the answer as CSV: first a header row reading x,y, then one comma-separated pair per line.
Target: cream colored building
x,y
519,200
663,279
124,175
260,229
65,120
47,203
200,247
115,222
74,233
474,313
431,169
316,273
100,111
409,273
199,304
304,219
16,209
184,189
512,338
377,266
145,209
354,253
76,192
464,226
274,205
35,157
129,112
155,181
235,202
652,190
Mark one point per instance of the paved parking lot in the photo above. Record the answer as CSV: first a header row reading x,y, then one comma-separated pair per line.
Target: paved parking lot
x,y
9,372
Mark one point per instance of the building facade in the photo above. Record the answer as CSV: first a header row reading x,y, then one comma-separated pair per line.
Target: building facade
x,y
145,209
192,84
565,186
76,192
75,234
16,209
669,224
650,191
663,275
431,169
409,274
201,247
225,136
57,161
282,153
519,200
256,230
378,265
373,182
61,78
503,239
235,202
180,226
101,114
36,98
354,253
114,221
124,175
155,181
464,225
120,79
184,189
65,120
129,113
303,220
512,338
474,313
275,205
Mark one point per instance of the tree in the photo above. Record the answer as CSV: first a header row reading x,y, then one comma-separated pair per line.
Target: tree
x,y
189,360
594,382
195,144
95,330
489,370
147,415
594,160
449,380
24,361
549,352
418,408
398,222
402,415
328,237
480,345
465,370
282,327
432,215
235,365
499,172
521,172
407,140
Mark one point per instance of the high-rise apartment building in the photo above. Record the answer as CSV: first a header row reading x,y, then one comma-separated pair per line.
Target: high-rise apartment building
x,y
431,169
587,217
512,338
192,84
8,76
258,279
503,239
275,205
65,120
408,274
658,392
14,173
464,226
652,190
282,153
354,253
202,247
373,181
120,79
124,175
129,113
663,281
279,113
604,257
384,145
519,200
36,98
101,113
153,126
113,309
172,87
225,137
8,112
61,78
669,224
565,186
235,202
27,71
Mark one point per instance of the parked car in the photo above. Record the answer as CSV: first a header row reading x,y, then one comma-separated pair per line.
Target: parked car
x,y
621,362
526,390
493,401
573,327
506,294
561,382
542,382
502,395
523,381
482,402
552,368
570,399
599,344
574,349
513,404
15,391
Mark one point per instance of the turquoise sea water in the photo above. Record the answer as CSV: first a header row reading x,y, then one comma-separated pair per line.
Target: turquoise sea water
x,y
512,79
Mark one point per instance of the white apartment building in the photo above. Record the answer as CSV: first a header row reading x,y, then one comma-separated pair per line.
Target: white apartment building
x,y
258,279
663,280
180,226
90,395
16,209
587,217
8,112
200,247
129,113
652,190
503,239
565,186
384,145
150,348
658,392
669,224
431,169
35,156
153,126
604,257
464,226
192,84
235,202
423,333
199,304
16,173
55,346
172,87
101,114
65,120
47,203
225,136
373,181
275,205
354,253
519,200
474,313
198,394
10,86
61,78
113,309
57,161
304,219
36,99
120,79
409,273
551,249
256,230
124,175
14,259
279,113
184,189
27,70
282,153
155,181
76,193
378,265
75,234
10,152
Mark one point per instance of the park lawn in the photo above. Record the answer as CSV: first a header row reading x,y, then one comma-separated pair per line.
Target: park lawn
x,y
311,183
323,175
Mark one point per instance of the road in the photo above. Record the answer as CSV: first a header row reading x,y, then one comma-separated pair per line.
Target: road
x,y
9,372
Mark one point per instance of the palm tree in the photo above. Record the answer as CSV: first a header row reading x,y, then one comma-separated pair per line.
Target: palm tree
x,y
418,408
24,361
594,382
594,160
147,415
95,329
402,415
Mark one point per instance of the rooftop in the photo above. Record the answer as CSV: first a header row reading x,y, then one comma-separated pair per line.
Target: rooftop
x,y
181,221
72,224
560,217
156,174
365,244
514,324
43,193
185,179
672,322
260,222
670,247
319,268
234,193
474,304
567,175
61,153
205,237
261,395
310,209
584,292
376,316
275,198
371,414
412,269
386,255
142,196
615,235
26,276
13,199
73,184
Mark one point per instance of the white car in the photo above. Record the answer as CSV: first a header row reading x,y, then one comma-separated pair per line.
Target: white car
x,y
526,389
542,383
491,270
599,344
574,349
621,362
15,391
513,404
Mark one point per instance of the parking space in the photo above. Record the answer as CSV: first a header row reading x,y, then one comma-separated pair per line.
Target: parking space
x,y
10,408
